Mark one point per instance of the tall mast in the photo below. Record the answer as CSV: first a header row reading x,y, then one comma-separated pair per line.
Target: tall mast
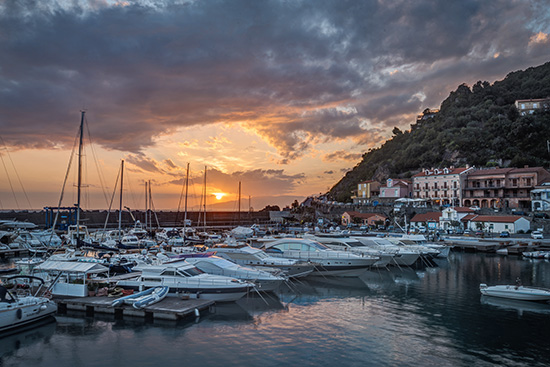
x,y
239,214
204,194
185,205
120,207
146,208
79,184
150,206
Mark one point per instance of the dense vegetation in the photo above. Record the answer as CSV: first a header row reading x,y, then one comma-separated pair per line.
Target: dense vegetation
x,y
477,126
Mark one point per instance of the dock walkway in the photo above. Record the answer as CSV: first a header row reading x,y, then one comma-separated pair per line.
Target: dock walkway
x,y
170,308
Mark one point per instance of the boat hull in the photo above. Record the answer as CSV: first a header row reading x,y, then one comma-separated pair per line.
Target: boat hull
x,y
25,311
514,292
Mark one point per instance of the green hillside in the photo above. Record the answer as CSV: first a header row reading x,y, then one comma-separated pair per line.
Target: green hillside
x,y
477,126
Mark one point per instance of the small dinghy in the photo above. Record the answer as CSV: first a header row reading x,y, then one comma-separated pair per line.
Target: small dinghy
x,y
515,292
142,299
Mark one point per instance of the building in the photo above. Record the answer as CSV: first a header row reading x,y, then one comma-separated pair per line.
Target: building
x,y
428,221
441,186
396,189
451,218
529,106
497,224
368,219
503,187
365,191
540,197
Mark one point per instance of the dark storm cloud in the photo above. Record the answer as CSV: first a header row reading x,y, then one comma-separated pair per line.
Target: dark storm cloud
x,y
299,73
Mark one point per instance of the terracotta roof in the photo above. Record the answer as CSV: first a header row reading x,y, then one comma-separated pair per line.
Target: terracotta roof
x,y
491,171
453,171
463,209
468,217
364,215
424,217
497,218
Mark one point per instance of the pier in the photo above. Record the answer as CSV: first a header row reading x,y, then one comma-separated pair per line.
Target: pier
x,y
170,308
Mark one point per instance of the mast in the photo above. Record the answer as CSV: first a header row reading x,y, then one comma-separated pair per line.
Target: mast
x,y
185,205
239,213
79,184
204,194
120,207
146,208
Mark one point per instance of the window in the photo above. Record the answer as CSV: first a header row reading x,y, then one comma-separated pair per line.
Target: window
x,y
535,105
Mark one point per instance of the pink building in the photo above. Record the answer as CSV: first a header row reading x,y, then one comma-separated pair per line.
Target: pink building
x,y
396,189
441,186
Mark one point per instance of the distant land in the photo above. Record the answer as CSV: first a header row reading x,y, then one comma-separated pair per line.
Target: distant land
x,y
477,125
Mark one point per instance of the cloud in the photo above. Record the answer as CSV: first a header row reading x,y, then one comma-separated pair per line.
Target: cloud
x,y
297,74
342,155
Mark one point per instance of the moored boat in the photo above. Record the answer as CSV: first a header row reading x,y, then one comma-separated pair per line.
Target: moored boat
x,y
519,292
143,298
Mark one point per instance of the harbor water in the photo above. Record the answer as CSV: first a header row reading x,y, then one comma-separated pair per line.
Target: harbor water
x,y
433,316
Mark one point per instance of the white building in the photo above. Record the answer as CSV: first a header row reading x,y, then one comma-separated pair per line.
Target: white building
x,y
540,197
497,224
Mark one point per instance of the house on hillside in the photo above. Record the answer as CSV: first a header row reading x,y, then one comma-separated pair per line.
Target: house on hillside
x,y
425,221
529,106
396,189
368,219
365,191
497,224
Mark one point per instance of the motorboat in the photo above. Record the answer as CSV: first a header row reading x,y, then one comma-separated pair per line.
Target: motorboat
x,y
345,243
518,292
264,280
328,262
243,254
401,256
184,279
19,310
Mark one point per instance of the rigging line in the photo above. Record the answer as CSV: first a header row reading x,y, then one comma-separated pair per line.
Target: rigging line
x,y
75,144
16,173
9,180
100,175
111,204
179,202
130,190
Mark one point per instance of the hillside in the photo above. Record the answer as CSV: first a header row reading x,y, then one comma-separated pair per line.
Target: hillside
x,y
477,126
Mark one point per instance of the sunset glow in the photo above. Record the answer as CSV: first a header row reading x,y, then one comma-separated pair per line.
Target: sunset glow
x,y
285,99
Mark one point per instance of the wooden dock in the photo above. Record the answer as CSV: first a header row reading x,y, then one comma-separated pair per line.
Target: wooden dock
x,y
170,308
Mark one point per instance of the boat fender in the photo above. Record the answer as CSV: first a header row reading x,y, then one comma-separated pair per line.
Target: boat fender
x,y
197,314
19,314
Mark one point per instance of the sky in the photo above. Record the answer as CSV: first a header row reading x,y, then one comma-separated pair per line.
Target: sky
x,y
280,96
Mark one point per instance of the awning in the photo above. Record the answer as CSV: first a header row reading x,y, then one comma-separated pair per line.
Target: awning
x,y
72,267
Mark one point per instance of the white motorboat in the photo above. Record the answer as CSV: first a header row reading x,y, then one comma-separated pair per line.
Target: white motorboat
x,y
519,292
345,243
328,262
243,254
17,311
265,281
185,279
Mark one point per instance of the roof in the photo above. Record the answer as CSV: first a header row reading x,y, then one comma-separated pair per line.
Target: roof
x,y
503,171
425,217
468,217
497,218
440,172
364,215
72,266
463,209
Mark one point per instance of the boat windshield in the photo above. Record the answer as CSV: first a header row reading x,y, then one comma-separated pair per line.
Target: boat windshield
x,y
190,272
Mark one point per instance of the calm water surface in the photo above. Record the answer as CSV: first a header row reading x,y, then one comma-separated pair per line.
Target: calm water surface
x,y
429,317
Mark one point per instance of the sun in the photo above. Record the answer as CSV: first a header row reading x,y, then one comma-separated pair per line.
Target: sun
x,y
218,195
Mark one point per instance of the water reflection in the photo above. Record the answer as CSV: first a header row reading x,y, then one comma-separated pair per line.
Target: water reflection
x,y
19,342
516,305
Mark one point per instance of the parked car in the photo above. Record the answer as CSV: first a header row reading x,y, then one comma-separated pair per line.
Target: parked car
x,y
537,235
479,233
504,234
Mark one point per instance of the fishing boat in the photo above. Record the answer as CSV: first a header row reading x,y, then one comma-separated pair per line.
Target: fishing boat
x,y
143,298
17,311
518,292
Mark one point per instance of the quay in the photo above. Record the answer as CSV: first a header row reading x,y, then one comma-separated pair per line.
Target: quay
x,y
491,245
170,308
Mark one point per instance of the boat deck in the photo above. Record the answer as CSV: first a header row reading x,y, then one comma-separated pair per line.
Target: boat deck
x,y
170,308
